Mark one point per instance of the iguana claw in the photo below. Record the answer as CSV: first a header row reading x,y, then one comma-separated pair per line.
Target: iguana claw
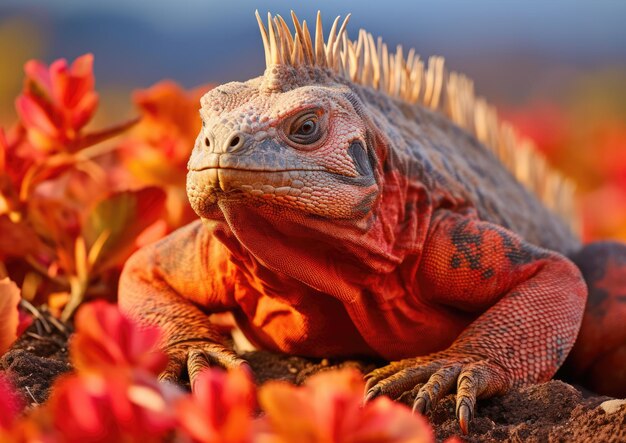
x,y
196,356
464,415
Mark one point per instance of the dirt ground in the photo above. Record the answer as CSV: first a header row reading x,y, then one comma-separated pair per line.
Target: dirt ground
x,y
552,412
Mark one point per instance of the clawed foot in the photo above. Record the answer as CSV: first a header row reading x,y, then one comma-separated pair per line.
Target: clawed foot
x,y
195,356
473,377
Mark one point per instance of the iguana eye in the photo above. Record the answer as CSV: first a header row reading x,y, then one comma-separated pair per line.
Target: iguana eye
x,y
305,129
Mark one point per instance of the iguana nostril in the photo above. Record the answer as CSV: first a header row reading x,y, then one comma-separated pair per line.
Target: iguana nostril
x,y
207,142
235,142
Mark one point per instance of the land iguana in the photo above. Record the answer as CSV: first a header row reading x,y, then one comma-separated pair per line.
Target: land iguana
x,y
357,202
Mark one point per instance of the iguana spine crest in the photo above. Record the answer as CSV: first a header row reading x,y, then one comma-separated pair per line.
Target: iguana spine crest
x,y
369,62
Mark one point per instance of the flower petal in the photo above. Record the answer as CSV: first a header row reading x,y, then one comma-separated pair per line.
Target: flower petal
x,y
10,402
220,408
105,339
9,315
34,116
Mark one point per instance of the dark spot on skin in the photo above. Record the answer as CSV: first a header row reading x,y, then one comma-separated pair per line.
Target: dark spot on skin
x,y
560,349
355,181
365,205
517,253
455,262
468,244
621,298
487,274
408,216
356,151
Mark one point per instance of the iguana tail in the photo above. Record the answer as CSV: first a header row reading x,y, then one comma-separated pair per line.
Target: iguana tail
x,y
598,359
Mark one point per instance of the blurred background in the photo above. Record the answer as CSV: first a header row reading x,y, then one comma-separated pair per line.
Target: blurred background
x,y
556,69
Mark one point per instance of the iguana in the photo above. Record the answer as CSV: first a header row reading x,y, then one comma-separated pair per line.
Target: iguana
x,y
354,202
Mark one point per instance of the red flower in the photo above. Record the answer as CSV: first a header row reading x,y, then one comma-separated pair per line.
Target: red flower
x,y
220,409
107,340
112,408
10,403
57,101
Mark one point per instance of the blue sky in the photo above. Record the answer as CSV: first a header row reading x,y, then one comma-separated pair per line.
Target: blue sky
x,y
138,42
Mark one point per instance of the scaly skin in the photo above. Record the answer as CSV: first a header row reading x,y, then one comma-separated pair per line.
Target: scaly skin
x,y
379,229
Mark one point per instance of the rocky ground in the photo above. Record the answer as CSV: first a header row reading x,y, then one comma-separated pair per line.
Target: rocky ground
x,y
553,411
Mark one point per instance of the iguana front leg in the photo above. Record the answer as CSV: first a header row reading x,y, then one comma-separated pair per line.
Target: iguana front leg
x,y
532,299
173,284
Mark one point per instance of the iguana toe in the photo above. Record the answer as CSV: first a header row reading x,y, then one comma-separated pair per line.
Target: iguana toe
x,y
398,377
439,385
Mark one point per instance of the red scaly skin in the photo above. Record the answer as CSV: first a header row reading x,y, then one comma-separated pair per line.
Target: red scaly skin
x,y
337,221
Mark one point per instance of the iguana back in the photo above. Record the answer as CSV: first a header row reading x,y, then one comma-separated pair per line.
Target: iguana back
x,y
463,172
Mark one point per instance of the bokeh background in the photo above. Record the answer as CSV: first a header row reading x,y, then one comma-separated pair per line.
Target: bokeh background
x,y
557,69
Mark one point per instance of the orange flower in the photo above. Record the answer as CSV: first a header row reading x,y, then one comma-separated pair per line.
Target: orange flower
x,y
57,101
328,409
107,340
157,149
220,409
9,316
112,408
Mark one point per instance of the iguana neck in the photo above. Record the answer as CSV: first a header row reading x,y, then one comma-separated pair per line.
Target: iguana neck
x,y
332,256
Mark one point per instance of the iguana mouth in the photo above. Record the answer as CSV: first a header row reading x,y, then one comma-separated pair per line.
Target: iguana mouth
x,y
206,168
255,182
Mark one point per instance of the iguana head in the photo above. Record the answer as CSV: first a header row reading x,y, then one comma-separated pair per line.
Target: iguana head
x,y
298,163
294,138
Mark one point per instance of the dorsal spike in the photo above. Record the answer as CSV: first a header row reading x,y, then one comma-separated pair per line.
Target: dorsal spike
x,y
299,35
375,61
338,41
297,57
285,37
438,87
331,40
398,71
360,41
385,74
354,63
308,44
274,44
344,56
367,63
359,57
266,43
320,52
409,58
280,43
